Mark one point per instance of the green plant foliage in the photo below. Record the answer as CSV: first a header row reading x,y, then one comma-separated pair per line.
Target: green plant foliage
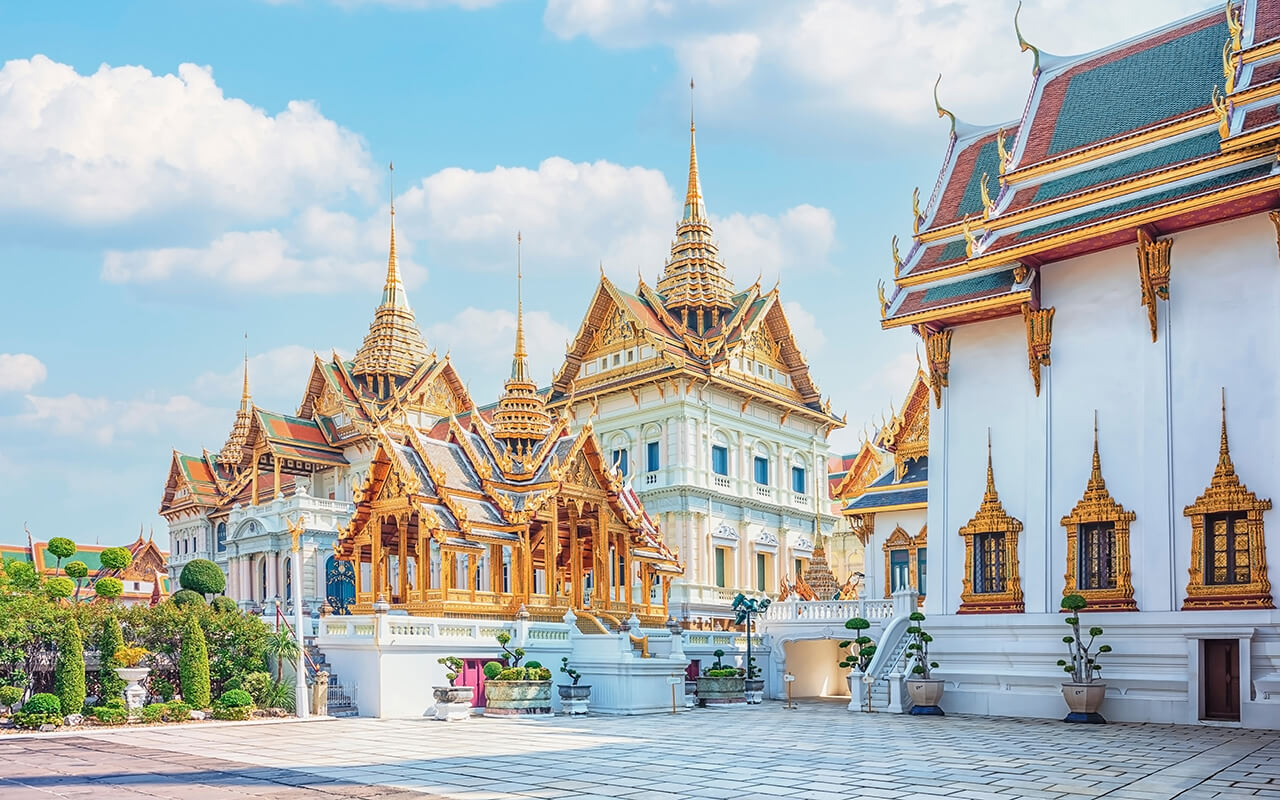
x,y
109,715
282,646
573,674
513,656
163,688
863,647
534,664
60,587
719,654
10,696
114,558
193,665
918,647
277,694
33,721
109,641
257,684
68,676
43,703
76,570
225,605
109,588
177,712
202,576
112,702
232,712
186,597
453,667
512,674
721,672
492,669
61,547
235,698
154,712
1081,663
131,656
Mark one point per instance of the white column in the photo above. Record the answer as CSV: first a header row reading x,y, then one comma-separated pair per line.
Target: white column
x,y
273,575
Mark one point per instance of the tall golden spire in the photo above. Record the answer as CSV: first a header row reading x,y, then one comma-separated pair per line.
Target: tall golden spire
x,y
1226,469
521,419
394,346
694,280
233,451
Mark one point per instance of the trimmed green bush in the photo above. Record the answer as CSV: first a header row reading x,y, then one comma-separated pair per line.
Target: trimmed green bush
x,y
533,665
60,587
115,558
234,698
76,570
108,715
43,703
492,669
177,712
112,639
32,721
203,576
68,674
185,597
193,666
112,702
154,712
232,712
10,695
224,605
61,547
109,588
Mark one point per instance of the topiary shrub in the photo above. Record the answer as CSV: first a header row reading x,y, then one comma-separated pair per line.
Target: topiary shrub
x,y
193,666
34,721
533,665
10,696
177,712
233,704
543,674
492,669
185,597
108,588
154,712
513,674
111,639
115,558
110,715
202,576
68,676
860,658
61,547
43,703
77,570
59,588
452,666
224,605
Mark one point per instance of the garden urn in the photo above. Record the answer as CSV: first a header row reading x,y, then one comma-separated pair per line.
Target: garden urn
x,y
134,695
574,698
925,693
1084,699
453,703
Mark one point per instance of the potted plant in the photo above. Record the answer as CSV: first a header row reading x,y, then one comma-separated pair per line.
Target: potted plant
x,y
573,696
1085,692
515,690
856,660
130,671
754,686
721,685
453,702
925,690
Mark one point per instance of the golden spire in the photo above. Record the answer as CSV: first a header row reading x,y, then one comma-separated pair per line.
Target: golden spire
x,y
394,346
991,476
1226,469
232,452
521,418
694,279
1095,472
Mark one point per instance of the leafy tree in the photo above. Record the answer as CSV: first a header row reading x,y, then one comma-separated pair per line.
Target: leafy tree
x,y
859,659
59,587
69,669
186,597
1083,665
114,558
109,588
203,576
112,639
77,571
193,665
22,575
282,646
10,696
61,547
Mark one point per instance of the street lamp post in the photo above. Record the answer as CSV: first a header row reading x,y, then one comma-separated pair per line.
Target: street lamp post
x,y
301,702
746,609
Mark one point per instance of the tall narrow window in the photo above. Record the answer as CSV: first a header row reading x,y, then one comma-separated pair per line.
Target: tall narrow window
x,y
762,470
720,460
797,480
988,568
991,583
1098,545
720,572
651,457
1226,551
619,459
899,570
761,572
922,572
799,566
1097,555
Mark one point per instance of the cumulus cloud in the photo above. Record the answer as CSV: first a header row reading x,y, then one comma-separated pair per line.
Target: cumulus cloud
x,y
804,326
123,143
101,420
20,372
851,56
797,239
481,342
276,379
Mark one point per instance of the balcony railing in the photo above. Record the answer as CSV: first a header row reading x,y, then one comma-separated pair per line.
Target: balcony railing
x,y
721,482
828,610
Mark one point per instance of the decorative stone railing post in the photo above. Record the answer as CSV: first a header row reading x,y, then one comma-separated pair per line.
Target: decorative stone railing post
x,y
522,627
677,641
904,602
320,694
862,606
571,619
899,703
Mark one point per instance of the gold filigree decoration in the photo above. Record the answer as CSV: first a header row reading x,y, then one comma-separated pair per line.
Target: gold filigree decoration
x,y
1234,24
1153,272
992,519
901,540
1097,505
1020,274
916,217
1222,107
1039,338
1242,524
937,347
863,526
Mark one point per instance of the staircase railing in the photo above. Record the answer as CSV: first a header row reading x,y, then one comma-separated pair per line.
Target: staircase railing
x,y
891,649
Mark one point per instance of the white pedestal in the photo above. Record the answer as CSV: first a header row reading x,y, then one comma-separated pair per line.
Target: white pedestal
x,y
453,712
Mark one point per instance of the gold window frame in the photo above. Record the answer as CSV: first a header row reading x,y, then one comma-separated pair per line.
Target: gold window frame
x,y
1097,505
901,540
992,518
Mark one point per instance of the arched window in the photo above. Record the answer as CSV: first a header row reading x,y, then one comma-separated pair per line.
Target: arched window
x,y
222,537
288,579
799,474
262,579
619,453
760,464
720,454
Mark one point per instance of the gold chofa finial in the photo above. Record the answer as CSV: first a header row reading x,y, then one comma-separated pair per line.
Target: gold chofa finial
x,y
987,202
916,218
942,112
1234,25
1024,44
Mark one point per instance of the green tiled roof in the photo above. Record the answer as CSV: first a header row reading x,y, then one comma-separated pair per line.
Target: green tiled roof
x,y
1160,82
982,283
1216,182
953,251
988,162
1149,161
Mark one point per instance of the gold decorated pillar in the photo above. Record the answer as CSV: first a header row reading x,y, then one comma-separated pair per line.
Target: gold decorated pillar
x,y
402,553
375,558
551,546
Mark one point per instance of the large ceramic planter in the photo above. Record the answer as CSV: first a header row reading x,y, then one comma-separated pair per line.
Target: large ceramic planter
x,y
754,690
574,698
1084,699
453,703
134,695
925,694
721,691
516,698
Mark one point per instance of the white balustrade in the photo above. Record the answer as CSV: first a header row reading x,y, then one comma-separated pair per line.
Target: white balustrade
x,y
823,610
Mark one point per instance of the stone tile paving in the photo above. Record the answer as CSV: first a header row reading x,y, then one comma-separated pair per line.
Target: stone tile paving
x,y
819,752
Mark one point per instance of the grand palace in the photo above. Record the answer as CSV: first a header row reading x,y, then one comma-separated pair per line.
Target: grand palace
x,y
1095,287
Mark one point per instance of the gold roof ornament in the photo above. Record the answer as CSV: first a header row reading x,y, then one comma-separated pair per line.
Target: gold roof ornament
x,y
942,112
521,419
1024,44
916,216
394,347
970,241
1234,25
1002,151
897,259
987,203
694,278
232,452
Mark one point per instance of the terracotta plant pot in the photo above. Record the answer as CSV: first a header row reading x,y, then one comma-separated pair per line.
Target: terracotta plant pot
x,y
516,698
1084,699
721,691
925,693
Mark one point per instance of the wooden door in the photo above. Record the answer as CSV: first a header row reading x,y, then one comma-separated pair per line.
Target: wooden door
x,y
473,676
1221,679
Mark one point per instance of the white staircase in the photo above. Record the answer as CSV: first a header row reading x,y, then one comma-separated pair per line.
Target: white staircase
x,y
887,688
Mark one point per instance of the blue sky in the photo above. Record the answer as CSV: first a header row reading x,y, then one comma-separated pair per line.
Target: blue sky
x,y
178,174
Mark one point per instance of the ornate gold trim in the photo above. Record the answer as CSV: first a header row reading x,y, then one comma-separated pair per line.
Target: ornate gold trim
x,y
1227,494
901,540
1039,337
937,347
1097,505
1153,273
1275,220
992,518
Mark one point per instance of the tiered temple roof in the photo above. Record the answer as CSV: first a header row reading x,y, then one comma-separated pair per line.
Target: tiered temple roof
x,y
891,470
1169,130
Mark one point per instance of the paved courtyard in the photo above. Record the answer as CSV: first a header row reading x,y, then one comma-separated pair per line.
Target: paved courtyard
x,y
819,752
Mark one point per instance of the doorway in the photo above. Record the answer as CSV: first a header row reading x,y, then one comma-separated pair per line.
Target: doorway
x,y
473,676
1221,679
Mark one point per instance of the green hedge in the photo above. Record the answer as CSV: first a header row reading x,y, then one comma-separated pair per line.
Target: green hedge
x,y
69,669
111,639
193,666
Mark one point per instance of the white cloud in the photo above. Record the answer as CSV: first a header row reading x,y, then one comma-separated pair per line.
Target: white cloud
x,y
804,326
480,343
323,251
466,5
123,143
20,372
101,420
851,56
276,379
798,238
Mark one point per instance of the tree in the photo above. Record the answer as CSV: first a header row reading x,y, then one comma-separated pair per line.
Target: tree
x,y
61,547
203,576
69,670
78,571
114,558
193,666
186,597
59,588
109,588
281,646
112,639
